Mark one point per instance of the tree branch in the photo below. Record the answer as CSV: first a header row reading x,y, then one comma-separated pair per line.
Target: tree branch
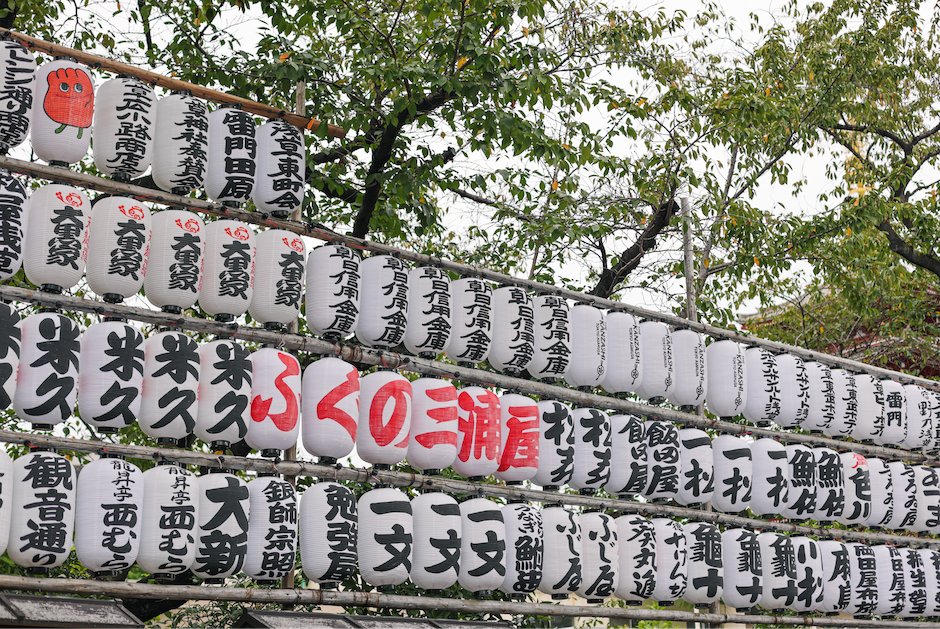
x,y
383,153
630,259
473,197
899,246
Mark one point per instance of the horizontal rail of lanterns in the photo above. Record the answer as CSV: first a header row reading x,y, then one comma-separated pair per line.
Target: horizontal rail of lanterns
x,y
168,520
319,232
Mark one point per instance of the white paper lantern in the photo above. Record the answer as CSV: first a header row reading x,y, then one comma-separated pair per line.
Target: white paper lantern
x,y
919,433
112,375
6,498
232,151
821,399
802,489
384,417
556,445
794,391
927,495
482,546
107,530
385,537
895,410
383,312
762,405
181,143
865,592
272,529
551,357
592,450
10,338
17,91
118,247
857,481
672,571
845,419
733,474
480,433
48,371
44,509
275,401
771,477
224,400
279,179
429,311
658,379
871,410
222,534
513,330
688,348
882,495
175,262
744,572
809,575
437,534
332,299
279,277
472,331
519,438
600,557
903,496
12,217
628,441
588,346
830,485
169,516
931,561
329,533
524,550
228,278
915,583
63,108
779,565
889,563
561,570
432,444
662,451
168,408
56,243
837,576
727,382
706,569
330,402
125,114
696,468
624,360
637,537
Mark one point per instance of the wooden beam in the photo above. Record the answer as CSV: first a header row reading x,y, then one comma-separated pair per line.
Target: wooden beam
x,y
396,601
154,78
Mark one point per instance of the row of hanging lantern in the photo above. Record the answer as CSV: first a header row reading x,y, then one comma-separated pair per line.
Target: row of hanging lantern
x,y
230,270
168,521
173,388
224,152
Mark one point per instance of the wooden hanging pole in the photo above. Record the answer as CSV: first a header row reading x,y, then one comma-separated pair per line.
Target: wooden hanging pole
x,y
154,78
118,589
319,232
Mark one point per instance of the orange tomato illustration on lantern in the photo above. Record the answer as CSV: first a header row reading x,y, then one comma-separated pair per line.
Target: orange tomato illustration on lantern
x,y
70,99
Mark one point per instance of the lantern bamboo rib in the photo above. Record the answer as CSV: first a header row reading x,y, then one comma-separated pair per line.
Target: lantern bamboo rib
x,y
395,601
451,486
95,61
354,353
314,230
